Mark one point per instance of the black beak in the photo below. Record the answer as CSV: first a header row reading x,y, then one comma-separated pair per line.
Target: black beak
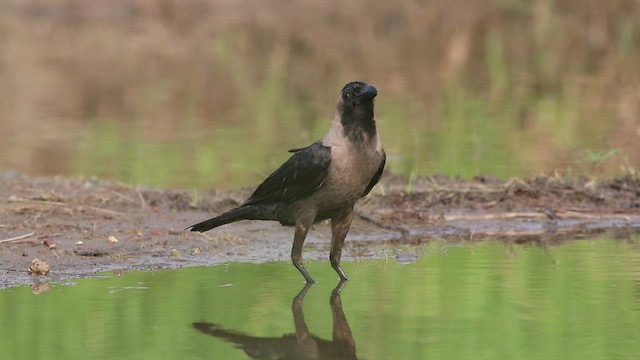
x,y
368,93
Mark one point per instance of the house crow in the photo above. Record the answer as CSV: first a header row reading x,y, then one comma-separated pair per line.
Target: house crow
x,y
321,181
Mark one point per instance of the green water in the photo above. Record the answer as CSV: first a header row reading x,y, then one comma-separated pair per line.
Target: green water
x,y
578,300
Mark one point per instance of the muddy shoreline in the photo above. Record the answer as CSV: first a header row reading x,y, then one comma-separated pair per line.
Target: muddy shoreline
x,y
83,226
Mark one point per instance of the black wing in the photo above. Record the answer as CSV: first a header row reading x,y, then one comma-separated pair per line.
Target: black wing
x,y
297,178
376,177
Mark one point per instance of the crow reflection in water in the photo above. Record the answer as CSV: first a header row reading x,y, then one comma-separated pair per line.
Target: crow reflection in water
x,y
302,344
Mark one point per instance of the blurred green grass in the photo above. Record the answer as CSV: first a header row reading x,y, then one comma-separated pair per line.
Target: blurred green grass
x,y
211,93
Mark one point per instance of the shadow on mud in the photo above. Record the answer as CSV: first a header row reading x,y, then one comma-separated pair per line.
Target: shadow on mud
x,y
302,344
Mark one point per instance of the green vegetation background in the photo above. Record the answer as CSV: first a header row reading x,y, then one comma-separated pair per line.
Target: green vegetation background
x,y
211,93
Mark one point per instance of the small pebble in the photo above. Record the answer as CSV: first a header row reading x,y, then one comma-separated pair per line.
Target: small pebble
x,y
112,239
50,244
38,267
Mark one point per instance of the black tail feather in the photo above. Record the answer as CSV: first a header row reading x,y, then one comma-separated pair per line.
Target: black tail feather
x,y
241,213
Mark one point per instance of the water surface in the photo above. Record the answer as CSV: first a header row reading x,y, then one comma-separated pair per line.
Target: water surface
x,y
579,300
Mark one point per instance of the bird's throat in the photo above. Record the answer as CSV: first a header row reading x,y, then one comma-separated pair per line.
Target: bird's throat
x,y
358,123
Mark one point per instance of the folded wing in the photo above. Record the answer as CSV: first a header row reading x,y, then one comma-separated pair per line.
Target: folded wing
x,y
297,178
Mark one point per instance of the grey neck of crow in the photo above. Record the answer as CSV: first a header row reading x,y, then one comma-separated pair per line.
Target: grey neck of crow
x,y
357,120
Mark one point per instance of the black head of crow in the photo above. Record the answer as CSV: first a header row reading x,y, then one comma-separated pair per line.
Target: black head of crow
x,y
355,107
321,181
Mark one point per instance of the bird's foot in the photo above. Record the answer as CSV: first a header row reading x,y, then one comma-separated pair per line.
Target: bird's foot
x,y
304,272
338,269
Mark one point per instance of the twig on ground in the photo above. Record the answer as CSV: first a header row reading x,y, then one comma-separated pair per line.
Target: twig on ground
x,y
18,237
122,196
402,230
14,198
136,189
48,235
144,203
98,210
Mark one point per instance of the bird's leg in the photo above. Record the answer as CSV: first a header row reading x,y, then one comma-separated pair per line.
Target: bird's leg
x,y
340,225
302,227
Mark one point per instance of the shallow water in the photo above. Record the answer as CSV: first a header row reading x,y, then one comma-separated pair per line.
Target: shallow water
x,y
578,300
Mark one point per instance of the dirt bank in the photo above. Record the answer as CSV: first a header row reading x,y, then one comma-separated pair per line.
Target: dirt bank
x,y
84,226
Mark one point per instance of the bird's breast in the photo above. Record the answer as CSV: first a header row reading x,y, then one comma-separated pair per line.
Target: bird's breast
x,y
351,170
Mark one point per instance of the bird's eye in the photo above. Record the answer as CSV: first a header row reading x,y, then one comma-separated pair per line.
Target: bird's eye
x,y
347,95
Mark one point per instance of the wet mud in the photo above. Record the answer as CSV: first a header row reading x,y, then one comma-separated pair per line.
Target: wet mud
x,y
81,227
